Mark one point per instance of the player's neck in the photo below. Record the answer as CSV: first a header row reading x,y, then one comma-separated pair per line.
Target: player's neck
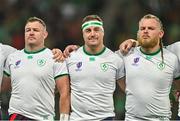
x,y
32,48
150,50
94,49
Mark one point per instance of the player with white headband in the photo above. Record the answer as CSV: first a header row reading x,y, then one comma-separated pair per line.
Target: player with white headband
x,y
92,23
93,70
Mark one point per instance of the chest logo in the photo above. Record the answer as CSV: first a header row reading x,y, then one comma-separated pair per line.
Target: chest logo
x,y
17,64
41,62
104,66
135,61
161,65
78,66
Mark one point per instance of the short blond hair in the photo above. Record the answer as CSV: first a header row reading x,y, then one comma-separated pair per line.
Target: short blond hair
x,y
33,19
150,16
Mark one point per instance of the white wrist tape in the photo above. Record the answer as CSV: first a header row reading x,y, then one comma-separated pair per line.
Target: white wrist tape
x,y
64,117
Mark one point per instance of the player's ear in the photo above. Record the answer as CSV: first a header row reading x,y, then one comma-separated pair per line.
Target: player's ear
x,y
161,33
45,34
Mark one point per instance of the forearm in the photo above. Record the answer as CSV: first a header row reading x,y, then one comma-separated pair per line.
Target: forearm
x,y
64,107
64,104
122,84
177,85
6,84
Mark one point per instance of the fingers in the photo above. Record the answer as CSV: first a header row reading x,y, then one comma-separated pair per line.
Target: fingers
x,y
69,49
60,59
57,55
126,46
124,50
66,53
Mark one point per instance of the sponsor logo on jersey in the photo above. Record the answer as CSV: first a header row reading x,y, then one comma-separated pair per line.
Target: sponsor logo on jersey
x,y
148,57
92,59
161,65
78,66
41,62
104,66
30,57
135,61
17,64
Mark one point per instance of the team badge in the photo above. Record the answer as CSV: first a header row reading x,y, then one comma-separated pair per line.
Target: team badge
x,y
104,66
161,65
41,62
78,66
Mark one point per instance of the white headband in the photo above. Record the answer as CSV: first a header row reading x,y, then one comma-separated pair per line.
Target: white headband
x,y
92,23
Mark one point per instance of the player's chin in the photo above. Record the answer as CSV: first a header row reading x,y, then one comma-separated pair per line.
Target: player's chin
x,y
31,42
93,44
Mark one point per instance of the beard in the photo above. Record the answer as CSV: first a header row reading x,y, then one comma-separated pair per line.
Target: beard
x,y
148,43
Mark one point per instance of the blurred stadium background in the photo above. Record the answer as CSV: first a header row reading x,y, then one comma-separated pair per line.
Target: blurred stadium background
x,y
63,19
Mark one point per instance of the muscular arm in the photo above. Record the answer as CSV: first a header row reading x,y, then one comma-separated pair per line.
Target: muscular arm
x,y
63,87
176,91
6,84
177,84
122,84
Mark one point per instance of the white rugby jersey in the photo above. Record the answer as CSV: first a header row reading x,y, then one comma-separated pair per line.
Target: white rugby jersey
x,y
93,81
5,50
148,83
175,48
33,77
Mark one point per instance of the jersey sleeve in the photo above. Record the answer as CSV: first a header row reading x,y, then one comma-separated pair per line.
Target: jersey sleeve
x,y
119,53
60,69
177,69
121,69
7,50
175,48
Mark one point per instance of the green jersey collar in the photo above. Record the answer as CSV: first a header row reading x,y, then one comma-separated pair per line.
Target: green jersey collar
x,y
154,53
34,52
99,53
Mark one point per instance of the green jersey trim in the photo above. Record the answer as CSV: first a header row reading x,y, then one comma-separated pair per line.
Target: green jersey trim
x,y
177,78
30,52
6,74
99,53
60,76
152,54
